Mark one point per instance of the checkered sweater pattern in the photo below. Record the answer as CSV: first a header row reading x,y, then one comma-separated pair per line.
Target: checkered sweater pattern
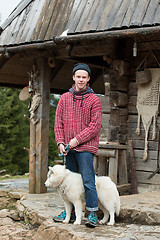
x,y
82,121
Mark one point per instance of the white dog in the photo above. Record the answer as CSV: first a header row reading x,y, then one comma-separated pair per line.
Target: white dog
x,y
71,190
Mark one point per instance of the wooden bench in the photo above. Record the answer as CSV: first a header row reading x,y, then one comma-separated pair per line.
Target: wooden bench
x,y
111,161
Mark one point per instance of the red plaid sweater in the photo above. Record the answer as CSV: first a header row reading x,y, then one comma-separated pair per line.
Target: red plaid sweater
x,y
79,117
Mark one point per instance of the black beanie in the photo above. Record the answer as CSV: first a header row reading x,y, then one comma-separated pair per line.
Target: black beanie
x,y
81,66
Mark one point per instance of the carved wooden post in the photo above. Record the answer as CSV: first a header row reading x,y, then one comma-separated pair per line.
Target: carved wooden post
x,y
42,126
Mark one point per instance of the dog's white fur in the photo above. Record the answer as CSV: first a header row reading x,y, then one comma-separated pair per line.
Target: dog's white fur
x,y
71,190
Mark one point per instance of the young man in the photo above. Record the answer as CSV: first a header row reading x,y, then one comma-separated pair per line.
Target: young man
x,y
78,122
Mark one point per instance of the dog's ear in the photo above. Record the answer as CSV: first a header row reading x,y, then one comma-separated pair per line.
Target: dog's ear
x,y
50,168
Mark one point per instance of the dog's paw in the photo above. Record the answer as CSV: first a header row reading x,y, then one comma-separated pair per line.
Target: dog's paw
x,y
65,221
102,222
76,223
110,223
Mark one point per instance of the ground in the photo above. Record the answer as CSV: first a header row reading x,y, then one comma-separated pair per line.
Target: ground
x,y
40,208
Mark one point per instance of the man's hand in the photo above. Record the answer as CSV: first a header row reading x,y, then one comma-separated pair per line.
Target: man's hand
x,y
73,143
61,149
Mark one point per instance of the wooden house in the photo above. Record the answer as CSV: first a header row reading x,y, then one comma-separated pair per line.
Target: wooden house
x,y
118,39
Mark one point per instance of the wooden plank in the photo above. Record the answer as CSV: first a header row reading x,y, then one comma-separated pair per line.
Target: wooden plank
x,y
124,189
120,14
142,187
157,14
132,134
150,13
106,153
122,167
118,99
105,13
133,88
139,13
105,120
8,37
139,154
20,26
85,16
72,16
105,103
97,49
104,134
58,20
95,12
48,17
113,14
17,30
142,178
77,12
32,21
102,166
132,102
95,164
152,145
133,176
42,13
21,6
129,13
113,168
118,117
147,166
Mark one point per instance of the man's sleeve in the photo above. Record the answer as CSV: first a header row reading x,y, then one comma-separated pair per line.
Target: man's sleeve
x,y
95,125
58,126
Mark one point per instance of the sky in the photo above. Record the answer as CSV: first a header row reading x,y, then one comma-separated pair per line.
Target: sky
x,y
6,7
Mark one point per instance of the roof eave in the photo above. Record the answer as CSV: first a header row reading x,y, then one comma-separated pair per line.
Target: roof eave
x,y
58,40
130,32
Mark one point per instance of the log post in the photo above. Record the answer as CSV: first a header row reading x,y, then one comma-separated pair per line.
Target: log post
x,y
118,99
32,158
42,126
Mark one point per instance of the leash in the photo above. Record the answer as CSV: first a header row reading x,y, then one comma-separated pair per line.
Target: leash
x,y
67,148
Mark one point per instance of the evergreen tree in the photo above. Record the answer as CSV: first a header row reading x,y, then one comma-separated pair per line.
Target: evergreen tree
x,y
53,151
14,132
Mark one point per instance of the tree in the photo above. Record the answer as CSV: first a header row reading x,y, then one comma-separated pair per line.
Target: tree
x,y
14,132
53,151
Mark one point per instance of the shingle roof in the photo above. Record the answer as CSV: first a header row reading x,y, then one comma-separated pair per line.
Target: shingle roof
x,y
42,20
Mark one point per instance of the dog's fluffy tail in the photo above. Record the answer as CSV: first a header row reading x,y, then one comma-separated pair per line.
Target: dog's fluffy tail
x,y
118,206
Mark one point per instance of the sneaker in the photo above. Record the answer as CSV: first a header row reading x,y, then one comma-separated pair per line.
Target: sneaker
x,y
92,220
62,217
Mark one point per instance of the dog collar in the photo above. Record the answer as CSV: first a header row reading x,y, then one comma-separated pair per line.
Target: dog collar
x,y
62,178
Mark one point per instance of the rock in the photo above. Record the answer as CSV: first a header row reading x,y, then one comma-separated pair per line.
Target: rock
x,y
4,213
51,232
6,221
3,193
16,195
4,201
141,208
20,209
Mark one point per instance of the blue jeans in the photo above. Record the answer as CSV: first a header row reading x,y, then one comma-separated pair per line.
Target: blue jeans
x,y
83,162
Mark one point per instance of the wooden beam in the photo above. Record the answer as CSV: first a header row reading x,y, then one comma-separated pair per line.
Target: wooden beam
x,y
42,127
131,32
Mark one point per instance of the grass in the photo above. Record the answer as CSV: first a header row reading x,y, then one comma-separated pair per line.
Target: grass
x,y
13,177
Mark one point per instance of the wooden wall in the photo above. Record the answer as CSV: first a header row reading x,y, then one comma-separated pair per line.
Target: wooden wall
x,y
111,122
143,168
